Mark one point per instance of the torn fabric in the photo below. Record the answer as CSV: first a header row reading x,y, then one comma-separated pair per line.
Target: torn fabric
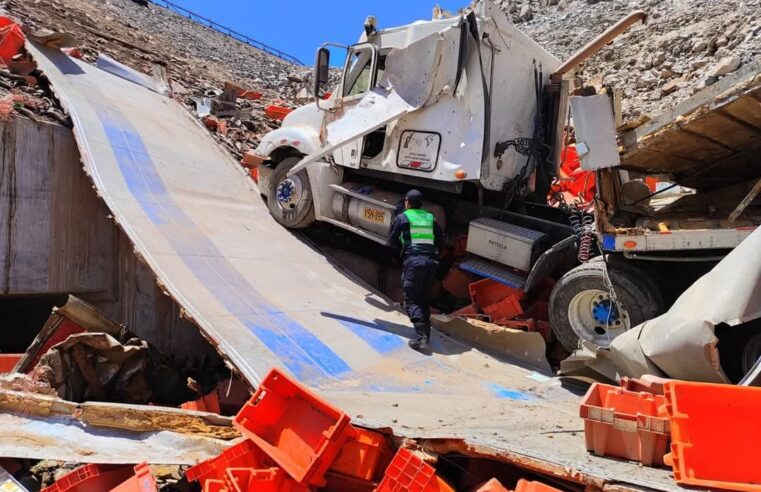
x,y
682,342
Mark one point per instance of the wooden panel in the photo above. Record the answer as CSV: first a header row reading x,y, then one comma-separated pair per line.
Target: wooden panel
x,y
747,109
724,129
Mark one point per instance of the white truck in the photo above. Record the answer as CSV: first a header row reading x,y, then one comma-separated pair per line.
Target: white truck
x,y
473,112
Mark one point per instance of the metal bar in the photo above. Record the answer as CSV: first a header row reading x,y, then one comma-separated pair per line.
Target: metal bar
x,y
226,31
745,201
597,43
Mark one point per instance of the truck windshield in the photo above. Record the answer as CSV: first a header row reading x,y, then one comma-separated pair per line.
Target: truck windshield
x,y
358,73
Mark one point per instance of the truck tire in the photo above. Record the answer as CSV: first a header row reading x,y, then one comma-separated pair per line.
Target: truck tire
x,y
581,307
289,199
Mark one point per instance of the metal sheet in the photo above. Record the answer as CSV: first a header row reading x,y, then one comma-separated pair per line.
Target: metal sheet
x,y
65,439
595,132
681,343
268,299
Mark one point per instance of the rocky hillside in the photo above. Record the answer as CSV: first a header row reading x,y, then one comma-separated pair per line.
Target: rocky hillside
x,y
685,45
196,56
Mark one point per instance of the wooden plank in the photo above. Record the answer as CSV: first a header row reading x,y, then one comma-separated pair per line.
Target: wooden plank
x,y
745,201
720,128
747,109
136,418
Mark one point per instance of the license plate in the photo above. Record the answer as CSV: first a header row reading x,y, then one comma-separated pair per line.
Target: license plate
x,y
374,215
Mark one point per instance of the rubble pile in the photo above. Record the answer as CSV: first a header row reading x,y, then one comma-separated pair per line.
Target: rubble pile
x,y
685,46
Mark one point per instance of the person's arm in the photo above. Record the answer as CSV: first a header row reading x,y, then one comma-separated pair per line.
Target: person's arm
x,y
438,236
395,234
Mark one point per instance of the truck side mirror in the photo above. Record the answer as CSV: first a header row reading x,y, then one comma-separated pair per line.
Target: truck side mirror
x,y
321,72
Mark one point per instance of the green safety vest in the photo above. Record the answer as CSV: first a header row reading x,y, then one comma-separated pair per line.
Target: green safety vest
x,y
421,226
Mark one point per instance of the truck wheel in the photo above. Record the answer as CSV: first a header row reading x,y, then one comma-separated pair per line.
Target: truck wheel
x,y
289,199
581,306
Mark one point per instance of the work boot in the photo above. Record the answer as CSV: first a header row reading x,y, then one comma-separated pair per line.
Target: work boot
x,y
422,335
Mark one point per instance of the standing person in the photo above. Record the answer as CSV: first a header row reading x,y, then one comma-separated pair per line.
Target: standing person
x,y
417,237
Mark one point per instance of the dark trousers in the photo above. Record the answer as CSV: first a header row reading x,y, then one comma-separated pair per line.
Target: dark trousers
x,y
418,274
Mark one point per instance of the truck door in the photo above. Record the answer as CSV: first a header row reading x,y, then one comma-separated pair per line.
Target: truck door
x,y
360,75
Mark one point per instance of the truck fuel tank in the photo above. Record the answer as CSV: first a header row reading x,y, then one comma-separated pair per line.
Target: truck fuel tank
x,y
371,209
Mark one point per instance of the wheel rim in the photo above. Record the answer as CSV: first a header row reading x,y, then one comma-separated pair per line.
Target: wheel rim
x,y
751,352
596,318
289,193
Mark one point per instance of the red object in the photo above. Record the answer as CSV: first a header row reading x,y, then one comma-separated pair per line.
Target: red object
x,y
276,112
506,309
73,52
715,432
364,456
243,93
649,384
92,478
526,486
11,38
64,331
469,311
408,473
255,174
142,480
625,424
208,403
487,292
267,480
457,283
492,485
8,362
301,432
243,455
337,482
211,122
214,486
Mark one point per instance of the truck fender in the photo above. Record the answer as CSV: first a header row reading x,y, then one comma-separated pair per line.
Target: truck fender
x,y
303,139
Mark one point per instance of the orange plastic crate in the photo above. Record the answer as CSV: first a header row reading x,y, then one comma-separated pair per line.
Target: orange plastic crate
x,y
8,362
487,292
243,455
624,424
715,430
89,478
276,112
302,433
408,473
492,485
364,456
142,480
526,486
214,486
266,480
506,309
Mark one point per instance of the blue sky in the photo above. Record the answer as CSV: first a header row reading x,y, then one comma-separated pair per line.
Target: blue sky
x,y
299,27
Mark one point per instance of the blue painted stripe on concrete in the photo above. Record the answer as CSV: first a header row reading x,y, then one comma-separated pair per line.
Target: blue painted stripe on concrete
x,y
376,336
305,355
509,394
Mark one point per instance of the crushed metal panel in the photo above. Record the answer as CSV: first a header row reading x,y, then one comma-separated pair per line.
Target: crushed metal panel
x,y
681,342
65,439
595,132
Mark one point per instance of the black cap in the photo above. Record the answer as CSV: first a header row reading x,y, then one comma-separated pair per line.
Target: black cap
x,y
415,198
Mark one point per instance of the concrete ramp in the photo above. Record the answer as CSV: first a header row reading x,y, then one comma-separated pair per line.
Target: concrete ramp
x,y
266,298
